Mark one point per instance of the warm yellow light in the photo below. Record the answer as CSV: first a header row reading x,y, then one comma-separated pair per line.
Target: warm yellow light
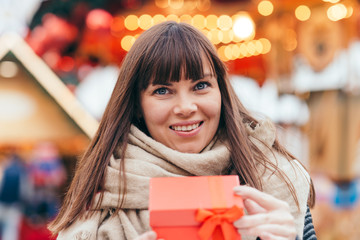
x,y
258,46
162,3
211,22
158,18
224,22
221,52
235,51
331,1
189,5
172,17
203,5
337,12
216,36
205,32
209,35
302,13
176,4
131,22
186,18
244,26
266,45
251,48
235,38
265,8
228,52
243,49
145,21
127,42
350,11
228,36
198,21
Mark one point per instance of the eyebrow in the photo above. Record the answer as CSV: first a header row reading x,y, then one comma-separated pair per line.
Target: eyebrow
x,y
192,80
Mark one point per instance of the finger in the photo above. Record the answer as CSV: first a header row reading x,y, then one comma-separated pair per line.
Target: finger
x,y
252,221
284,231
263,199
269,236
252,207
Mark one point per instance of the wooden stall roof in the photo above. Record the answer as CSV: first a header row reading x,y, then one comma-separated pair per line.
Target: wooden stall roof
x,y
48,80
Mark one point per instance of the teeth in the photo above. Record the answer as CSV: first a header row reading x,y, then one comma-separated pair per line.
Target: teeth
x,y
186,128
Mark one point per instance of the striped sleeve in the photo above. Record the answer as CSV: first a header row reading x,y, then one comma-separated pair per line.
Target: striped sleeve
x,y
309,231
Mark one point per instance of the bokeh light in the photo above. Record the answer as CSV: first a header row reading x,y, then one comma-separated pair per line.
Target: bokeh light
x,y
265,8
203,5
172,17
127,42
221,52
244,26
331,1
158,18
176,4
162,3
266,45
98,18
145,21
350,11
258,46
131,22
302,13
228,36
186,18
337,12
198,21
228,52
211,22
224,22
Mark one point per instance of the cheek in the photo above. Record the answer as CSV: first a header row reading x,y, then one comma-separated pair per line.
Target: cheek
x,y
213,107
154,114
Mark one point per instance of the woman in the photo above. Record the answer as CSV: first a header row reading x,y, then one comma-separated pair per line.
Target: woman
x,y
173,113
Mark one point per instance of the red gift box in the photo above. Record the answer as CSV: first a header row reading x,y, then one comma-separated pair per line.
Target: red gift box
x,y
195,208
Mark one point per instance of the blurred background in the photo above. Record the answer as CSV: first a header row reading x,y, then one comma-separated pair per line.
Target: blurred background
x,y
296,62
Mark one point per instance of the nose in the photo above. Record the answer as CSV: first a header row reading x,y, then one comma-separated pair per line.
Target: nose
x,y
185,106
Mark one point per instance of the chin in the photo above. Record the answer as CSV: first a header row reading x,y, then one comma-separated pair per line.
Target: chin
x,y
189,149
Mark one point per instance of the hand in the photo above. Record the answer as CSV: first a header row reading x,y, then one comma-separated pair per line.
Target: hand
x,y
147,236
268,217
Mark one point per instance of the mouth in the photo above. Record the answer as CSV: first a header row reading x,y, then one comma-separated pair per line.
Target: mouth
x,y
186,128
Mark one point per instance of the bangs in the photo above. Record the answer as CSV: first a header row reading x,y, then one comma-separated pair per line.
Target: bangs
x,y
176,55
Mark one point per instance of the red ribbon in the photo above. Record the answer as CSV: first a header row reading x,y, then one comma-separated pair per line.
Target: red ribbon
x,y
218,223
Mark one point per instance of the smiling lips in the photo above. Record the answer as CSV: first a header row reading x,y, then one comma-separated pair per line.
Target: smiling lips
x,y
186,128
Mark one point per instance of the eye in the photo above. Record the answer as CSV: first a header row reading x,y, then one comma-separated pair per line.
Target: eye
x,y
161,91
201,85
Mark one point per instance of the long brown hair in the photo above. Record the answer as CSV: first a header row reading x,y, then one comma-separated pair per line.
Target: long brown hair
x,y
165,52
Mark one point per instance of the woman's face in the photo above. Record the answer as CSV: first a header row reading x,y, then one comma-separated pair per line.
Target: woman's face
x,y
183,115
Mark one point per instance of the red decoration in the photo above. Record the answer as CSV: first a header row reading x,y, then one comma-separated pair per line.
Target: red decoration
x,y
218,223
253,67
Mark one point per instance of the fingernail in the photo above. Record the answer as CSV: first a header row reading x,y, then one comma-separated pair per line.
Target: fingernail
x,y
237,189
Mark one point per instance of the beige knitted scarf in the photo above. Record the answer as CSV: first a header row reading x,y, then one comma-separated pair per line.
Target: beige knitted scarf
x,y
146,158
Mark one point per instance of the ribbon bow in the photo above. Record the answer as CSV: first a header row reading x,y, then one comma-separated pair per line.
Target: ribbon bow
x,y
218,223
